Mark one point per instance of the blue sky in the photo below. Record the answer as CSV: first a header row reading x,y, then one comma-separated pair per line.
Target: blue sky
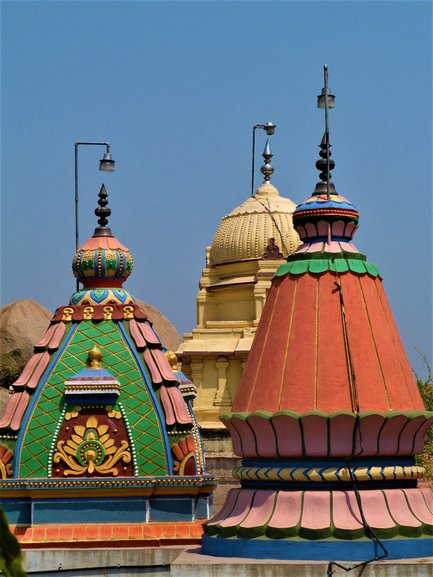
x,y
176,87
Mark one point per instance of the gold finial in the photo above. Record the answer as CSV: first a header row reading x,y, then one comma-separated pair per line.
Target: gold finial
x,y
172,359
94,358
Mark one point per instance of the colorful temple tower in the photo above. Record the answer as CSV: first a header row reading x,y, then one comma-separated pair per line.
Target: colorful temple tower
x,y
328,417
99,431
249,245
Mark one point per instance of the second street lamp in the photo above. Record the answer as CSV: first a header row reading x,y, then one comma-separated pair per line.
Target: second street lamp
x,y
106,164
269,128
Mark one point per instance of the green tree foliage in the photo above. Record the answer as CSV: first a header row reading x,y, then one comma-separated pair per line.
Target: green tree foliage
x,y
10,554
425,386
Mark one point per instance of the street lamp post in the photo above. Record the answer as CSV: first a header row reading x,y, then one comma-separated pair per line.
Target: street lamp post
x,y
326,100
269,128
106,164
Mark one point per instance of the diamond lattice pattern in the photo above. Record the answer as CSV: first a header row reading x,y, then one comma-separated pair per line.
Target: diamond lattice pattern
x,y
140,411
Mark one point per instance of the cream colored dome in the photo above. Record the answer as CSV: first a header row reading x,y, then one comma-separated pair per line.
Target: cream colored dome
x,y
244,233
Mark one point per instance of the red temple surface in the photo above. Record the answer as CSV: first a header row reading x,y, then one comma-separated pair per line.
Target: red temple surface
x,y
308,339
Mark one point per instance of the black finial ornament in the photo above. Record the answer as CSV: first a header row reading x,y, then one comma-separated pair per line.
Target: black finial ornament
x,y
102,212
325,165
267,169
322,164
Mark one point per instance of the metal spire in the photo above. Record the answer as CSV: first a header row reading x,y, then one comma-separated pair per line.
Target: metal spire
x,y
267,169
102,212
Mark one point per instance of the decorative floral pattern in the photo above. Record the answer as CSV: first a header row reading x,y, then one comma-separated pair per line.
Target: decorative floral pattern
x,y
184,457
91,449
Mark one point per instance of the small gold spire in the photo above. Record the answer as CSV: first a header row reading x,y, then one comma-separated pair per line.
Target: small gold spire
x,y
94,358
172,359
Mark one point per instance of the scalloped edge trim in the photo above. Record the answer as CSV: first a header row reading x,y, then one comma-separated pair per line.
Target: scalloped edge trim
x,y
263,514
294,415
260,434
322,265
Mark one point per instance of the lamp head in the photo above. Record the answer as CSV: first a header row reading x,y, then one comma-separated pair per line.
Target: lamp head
x,y
269,128
106,164
326,99
321,99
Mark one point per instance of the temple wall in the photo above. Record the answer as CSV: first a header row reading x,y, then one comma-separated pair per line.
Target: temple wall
x,y
229,306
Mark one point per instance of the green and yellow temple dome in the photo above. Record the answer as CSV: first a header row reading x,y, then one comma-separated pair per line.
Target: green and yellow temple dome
x,y
99,428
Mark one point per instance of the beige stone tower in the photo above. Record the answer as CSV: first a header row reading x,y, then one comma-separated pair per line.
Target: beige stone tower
x,y
247,248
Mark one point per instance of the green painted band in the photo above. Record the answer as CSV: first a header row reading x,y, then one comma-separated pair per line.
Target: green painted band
x,y
319,266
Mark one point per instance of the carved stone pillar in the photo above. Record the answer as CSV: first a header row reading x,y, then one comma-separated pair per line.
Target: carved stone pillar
x,y
197,379
260,294
222,397
201,302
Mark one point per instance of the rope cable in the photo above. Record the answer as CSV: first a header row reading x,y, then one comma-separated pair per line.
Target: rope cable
x,y
275,223
368,531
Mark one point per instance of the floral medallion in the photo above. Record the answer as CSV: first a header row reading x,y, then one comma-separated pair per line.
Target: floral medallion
x,y
92,442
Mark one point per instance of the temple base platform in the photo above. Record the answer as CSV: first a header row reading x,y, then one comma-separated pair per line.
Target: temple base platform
x,y
194,563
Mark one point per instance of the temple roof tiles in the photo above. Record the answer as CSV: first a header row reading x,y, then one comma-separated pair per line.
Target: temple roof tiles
x,y
300,350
